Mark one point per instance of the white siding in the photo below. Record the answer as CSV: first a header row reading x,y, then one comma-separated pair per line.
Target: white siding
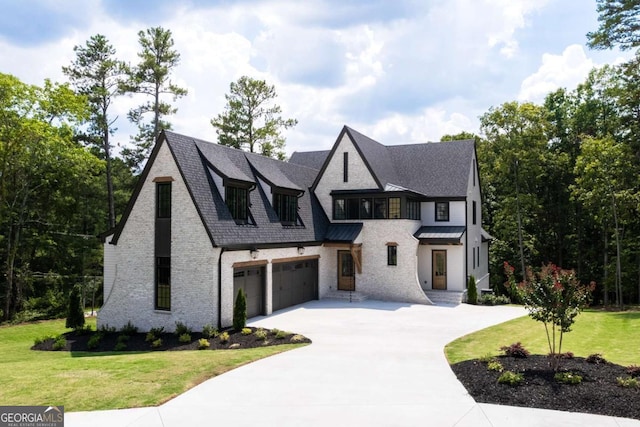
x,y
456,280
474,231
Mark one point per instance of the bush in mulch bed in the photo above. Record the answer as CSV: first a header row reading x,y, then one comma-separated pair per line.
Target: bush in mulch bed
x,y
101,341
598,392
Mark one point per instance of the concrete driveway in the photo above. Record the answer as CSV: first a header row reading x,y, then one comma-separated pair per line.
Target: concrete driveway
x,y
371,364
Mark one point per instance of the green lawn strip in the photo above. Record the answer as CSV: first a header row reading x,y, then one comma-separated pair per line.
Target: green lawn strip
x,y
86,381
613,334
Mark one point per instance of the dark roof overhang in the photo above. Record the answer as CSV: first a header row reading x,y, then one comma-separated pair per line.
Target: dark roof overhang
x,y
343,232
446,234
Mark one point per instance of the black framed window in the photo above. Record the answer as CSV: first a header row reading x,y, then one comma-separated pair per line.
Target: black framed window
x,y
380,208
163,283
442,211
394,207
473,213
237,203
413,209
163,200
353,208
392,255
366,208
339,211
286,206
345,167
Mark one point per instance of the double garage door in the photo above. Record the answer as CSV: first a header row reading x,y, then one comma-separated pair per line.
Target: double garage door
x,y
292,283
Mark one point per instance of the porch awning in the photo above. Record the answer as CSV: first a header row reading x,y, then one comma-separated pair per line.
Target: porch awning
x,y
486,237
343,232
449,234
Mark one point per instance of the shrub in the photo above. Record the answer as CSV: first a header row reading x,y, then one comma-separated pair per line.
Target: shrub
x,y
185,338
487,358
472,291
94,341
157,343
494,365
261,334
129,329
124,338
60,343
275,331
567,378
511,378
596,358
107,329
246,331
297,338
120,346
515,350
634,371
75,310
209,331
43,339
628,382
281,335
554,297
154,334
224,337
182,329
203,344
490,299
240,311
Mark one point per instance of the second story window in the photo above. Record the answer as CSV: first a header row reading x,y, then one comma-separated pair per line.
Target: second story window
x,y
413,209
473,213
237,202
442,211
345,167
286,206
394,207
163,200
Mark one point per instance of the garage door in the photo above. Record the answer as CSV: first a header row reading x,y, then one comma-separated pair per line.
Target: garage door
x,y
251,281
294,283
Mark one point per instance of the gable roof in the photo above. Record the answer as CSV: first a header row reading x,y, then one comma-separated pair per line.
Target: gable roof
x,y
194,157
433,170
310,159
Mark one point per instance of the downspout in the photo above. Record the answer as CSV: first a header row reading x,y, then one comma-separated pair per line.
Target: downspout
x,y
466,243
220,288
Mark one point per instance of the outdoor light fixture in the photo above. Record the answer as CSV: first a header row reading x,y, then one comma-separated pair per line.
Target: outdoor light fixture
x,y
254,253
300,250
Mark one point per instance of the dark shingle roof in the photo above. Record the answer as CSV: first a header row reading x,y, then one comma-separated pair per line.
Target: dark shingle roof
x,y
310,159
194,157
432,169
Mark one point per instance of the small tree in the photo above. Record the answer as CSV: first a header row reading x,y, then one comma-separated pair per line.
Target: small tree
x,y
554,297
240,311
472,291
75,311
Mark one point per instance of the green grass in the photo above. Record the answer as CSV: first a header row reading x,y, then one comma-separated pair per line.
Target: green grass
x,y
84,381
613,334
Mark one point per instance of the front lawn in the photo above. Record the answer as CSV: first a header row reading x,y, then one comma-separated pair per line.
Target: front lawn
x,y
84,381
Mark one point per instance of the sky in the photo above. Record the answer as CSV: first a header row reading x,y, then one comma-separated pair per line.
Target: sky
x,y
398,71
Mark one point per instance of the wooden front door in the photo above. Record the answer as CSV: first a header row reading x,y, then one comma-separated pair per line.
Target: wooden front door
x,y
439,270
346,272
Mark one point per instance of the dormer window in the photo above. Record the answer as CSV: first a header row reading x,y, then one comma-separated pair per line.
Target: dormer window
x,y
286,206
237,200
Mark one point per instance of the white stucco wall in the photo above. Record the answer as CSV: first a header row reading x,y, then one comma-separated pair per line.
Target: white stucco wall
x,y
193,261
456,280
474,231
109,266
332,179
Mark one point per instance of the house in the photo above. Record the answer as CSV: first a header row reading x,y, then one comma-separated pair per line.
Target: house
x,y
391,222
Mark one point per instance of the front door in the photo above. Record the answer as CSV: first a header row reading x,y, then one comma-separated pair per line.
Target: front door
x,y
439,270
346,272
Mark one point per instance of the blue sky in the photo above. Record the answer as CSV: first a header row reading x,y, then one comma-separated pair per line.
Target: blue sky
x,y
398,71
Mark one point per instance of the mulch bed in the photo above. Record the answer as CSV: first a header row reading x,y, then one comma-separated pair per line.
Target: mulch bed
x,y
598,393
136,341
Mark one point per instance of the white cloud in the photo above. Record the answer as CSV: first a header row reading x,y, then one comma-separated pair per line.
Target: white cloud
x,y
556,71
